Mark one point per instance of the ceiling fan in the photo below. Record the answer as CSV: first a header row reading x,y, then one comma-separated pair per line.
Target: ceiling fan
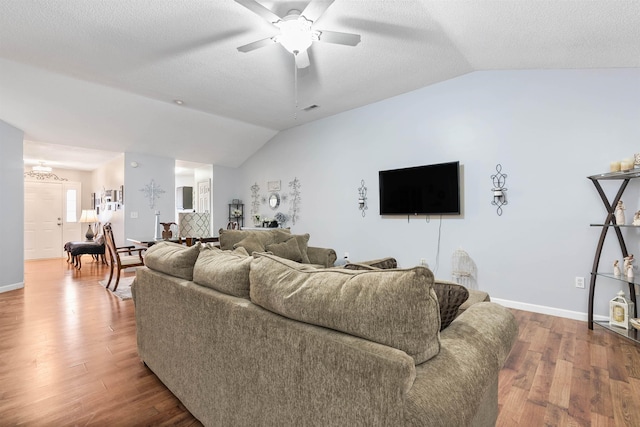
x,y
297,31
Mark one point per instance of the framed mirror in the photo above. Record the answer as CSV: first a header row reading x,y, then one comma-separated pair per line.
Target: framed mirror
x,y
274,200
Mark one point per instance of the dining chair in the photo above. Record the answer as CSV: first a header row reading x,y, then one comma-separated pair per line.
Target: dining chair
x,y
120,257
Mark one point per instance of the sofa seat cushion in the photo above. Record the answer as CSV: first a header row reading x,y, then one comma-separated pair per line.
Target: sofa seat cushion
x,y
397,308
224,271
172,258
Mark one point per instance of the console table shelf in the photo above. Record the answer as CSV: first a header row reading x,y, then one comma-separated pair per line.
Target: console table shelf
x,y
610,224
631,333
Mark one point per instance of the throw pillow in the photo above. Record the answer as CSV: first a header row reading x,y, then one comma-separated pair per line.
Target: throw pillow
x,y
288,249
397,308
450,297
303,244
251,244
224,271
172,258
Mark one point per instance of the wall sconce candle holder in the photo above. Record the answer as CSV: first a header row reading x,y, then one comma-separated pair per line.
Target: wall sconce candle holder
x,y
362,198
499,196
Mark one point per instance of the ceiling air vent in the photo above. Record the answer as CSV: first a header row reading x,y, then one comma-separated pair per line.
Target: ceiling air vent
x,y
310,107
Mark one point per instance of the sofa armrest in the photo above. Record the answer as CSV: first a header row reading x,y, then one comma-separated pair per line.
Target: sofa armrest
x,y
450,387
321,256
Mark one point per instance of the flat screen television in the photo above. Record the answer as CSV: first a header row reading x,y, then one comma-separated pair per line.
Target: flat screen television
x,y
422,190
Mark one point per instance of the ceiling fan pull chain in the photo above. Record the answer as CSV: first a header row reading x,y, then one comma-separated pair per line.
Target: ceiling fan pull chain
x,y
295,87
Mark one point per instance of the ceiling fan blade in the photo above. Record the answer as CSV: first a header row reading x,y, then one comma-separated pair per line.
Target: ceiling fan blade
x,y
257,44
302,59
315,9
259,10
348,39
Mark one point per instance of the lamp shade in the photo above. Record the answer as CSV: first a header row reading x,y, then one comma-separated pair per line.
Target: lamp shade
x,y
88,215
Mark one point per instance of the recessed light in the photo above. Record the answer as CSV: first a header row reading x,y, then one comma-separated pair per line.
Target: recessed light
x,y
179,101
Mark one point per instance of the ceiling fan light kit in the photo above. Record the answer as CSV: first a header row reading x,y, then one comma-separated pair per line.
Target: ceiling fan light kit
x,y
295,33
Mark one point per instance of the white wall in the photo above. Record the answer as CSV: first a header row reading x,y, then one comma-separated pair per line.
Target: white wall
x,y
162,171
226,187
109,176
12,216
548,129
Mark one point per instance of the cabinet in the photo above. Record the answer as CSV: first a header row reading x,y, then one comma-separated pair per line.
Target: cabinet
x,y
610,224
236,214
184,198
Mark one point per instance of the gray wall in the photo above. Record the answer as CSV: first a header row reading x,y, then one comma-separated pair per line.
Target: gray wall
x,y
12,215
548,129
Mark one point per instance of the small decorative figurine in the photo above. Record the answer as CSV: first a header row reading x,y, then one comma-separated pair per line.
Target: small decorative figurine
x,y
620,213
616,269
628,265
636,218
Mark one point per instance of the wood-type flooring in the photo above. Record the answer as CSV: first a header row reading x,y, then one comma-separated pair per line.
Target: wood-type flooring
x,y
68,357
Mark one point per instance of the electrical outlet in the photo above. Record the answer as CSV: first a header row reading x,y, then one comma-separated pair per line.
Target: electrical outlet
x,y
580,282
134,215
423,262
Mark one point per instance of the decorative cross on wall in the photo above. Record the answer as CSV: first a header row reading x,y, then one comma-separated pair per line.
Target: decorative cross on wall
x,y
152,191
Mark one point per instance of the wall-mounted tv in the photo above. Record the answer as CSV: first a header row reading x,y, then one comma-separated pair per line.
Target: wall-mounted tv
x,y
422,190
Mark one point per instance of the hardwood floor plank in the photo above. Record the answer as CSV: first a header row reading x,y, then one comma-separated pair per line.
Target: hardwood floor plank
x,y
626,404
68,356
600,392
539,392
526,373
560,393
580,399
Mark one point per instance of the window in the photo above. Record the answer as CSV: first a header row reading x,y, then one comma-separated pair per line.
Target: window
x,y
71,202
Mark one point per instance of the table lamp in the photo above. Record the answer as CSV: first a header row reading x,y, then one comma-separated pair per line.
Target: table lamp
x,y
89,216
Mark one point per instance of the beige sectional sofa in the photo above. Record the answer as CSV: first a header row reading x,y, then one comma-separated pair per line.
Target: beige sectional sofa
x,y
265,341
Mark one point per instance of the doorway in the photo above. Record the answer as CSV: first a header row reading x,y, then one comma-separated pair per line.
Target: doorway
x,y
50,218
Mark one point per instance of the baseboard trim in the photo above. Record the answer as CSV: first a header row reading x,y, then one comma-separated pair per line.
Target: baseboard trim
x,y
11,287
552,311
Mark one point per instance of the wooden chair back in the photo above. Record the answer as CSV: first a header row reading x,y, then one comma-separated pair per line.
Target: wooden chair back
x,y
120,257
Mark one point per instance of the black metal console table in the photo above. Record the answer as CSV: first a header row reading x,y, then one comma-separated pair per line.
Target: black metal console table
x,y
610,223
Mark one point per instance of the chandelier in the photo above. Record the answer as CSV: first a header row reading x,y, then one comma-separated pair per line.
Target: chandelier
x,y
42,172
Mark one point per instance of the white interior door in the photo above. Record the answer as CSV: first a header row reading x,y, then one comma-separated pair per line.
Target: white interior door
x,y
43,220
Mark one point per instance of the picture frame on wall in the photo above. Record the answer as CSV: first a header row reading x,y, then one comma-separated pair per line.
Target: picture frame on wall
x,y
121,195
273,186
93,200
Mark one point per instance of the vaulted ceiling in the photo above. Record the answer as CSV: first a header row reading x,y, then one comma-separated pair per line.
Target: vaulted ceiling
x,y
105,74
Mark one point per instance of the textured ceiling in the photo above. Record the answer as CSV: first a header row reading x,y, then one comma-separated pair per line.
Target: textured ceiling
x,y
104,74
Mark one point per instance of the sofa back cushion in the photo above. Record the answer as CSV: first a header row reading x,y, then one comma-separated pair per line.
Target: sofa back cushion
x,y
397,308
224,271
172,258
228,238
